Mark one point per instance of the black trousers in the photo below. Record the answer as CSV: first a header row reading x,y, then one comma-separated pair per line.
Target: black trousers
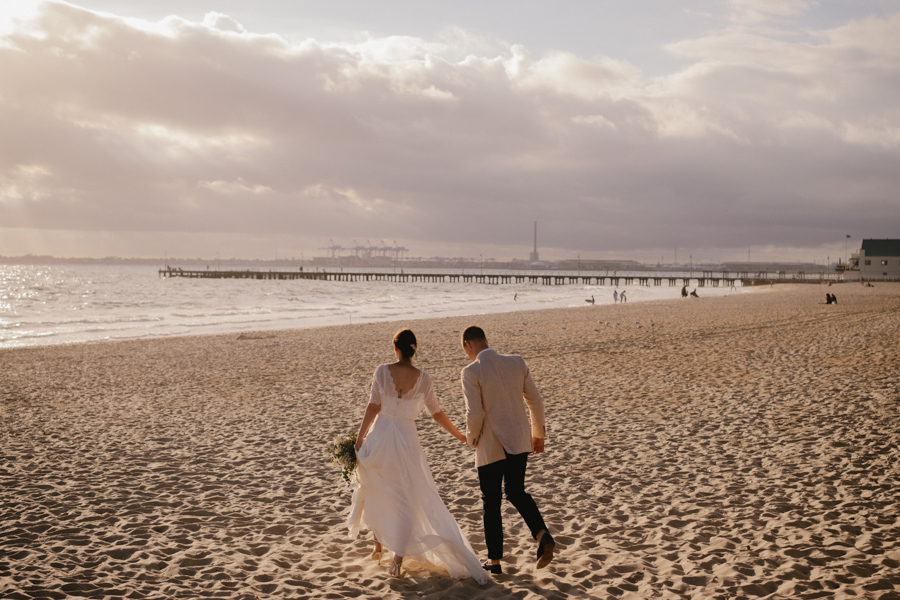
x,y
491,479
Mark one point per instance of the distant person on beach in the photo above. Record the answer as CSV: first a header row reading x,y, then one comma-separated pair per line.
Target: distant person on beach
x,y
516,297
615,296
498,388
622,297
684,292
694,293
397,497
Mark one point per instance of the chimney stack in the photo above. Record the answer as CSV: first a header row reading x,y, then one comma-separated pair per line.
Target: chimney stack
x,y
534,255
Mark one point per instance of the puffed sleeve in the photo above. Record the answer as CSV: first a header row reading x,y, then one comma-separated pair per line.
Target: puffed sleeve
x,y
375,396
431,401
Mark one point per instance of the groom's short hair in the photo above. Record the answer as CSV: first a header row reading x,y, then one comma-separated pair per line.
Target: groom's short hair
x,y
474,334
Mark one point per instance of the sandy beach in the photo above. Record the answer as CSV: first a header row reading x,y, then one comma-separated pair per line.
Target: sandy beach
x,y
746,446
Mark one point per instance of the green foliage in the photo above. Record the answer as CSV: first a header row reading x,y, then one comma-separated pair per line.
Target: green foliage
x,y
343,452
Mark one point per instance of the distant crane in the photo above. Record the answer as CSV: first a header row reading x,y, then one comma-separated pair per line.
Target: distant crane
x,y
333,248
367,251
356,248
397,251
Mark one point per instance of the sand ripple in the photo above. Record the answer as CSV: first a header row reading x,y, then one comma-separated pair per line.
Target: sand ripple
x,y
738,447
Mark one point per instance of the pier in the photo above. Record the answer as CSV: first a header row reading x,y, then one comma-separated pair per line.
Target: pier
x,y
706,279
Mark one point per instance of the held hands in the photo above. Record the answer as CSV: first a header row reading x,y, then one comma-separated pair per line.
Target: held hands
x,y
444,421
538,444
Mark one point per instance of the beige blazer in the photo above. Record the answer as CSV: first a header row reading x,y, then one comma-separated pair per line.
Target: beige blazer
x,y
495,386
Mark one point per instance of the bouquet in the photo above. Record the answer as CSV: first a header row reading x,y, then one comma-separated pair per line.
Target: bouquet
x,y
343,452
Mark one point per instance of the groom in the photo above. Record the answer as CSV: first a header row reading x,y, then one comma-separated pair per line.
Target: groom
x,y
497,426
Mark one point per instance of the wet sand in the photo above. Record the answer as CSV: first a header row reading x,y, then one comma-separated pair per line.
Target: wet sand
x,y
746,446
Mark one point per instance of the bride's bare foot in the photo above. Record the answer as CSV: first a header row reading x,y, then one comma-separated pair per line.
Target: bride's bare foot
x,y
394,570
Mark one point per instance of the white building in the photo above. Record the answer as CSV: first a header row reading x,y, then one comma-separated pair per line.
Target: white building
x,y
879,259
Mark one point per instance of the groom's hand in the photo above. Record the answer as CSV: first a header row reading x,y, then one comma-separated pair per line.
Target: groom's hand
x,y
538,444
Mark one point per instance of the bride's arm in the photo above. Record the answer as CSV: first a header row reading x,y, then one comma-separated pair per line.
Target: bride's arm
x,y
444,421
431,403
372,411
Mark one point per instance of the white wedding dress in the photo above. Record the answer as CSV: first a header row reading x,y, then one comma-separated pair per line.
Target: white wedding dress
x,y
397,498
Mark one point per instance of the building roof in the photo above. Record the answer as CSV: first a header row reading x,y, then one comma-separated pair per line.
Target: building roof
x,y
881,247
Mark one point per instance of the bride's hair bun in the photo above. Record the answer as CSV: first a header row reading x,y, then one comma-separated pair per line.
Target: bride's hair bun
x,y
405,341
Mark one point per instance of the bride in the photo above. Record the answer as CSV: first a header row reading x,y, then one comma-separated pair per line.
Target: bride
x,y
397,498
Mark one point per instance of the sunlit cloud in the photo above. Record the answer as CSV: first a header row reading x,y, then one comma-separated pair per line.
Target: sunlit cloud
x,y
337,196
14,12
238,186
214,20
180,141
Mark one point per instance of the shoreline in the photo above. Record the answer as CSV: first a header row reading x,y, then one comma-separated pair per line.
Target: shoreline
x,y
743,445
245,329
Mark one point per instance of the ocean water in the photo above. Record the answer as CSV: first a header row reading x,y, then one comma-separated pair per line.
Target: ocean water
x,y
62,304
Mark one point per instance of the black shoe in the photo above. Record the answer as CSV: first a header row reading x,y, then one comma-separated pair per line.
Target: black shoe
x,y
495,569
545,550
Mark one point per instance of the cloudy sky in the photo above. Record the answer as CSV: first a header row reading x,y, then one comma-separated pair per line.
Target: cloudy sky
x,y
625,129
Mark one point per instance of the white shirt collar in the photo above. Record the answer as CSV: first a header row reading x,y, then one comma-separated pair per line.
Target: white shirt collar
x,y
482,352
